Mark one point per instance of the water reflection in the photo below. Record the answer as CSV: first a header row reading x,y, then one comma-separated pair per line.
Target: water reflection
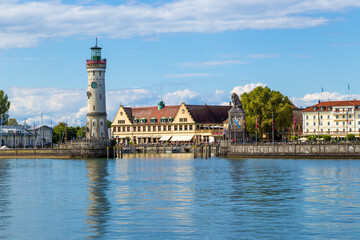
x,y
4,197
99,207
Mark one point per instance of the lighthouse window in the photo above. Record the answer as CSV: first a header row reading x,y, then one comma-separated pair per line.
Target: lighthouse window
x,y
101,123
100,73
93,73
94,107
100,96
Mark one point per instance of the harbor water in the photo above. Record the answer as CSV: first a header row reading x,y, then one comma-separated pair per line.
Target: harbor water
x,y
178,197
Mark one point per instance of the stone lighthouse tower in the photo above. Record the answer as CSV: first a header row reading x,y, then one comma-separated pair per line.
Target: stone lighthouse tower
x,y
96,124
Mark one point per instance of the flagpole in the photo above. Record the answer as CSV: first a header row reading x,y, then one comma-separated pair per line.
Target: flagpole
x,y
256,130
273,127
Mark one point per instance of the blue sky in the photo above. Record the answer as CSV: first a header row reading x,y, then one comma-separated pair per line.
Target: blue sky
x,y
197,51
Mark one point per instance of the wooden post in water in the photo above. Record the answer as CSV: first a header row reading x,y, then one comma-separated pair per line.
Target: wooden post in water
x,y
114,152
194,151
121,152
202,151
107,152
206,152
209,151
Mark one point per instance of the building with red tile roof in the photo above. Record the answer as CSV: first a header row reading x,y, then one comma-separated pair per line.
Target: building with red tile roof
x,y
335,118
180,123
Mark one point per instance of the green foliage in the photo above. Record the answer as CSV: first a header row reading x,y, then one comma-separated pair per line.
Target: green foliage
x,y
4,103
326,138
311,138
109,124
12,122
58,134
294,137
350,137
262,102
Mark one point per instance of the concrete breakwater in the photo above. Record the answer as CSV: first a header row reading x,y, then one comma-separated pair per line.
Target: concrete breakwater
x,y
291,150
52,153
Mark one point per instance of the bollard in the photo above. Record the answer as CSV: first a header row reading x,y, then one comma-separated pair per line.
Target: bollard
x,y
206,152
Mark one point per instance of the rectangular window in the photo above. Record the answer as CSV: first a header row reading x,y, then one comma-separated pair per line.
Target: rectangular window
x,y
337,116
159,128
100,73
149,128
164,128
169,128
337,123
186,127
307,117
128,129
314,117
349,123
321,117
343,123
328,123
180,128
144,129
328,116
123,129
314,124
114,129
154,128
134,129
183,119
190,127
100,96
139,129
94,107
121,121
119,129
307,123
175,128
343,116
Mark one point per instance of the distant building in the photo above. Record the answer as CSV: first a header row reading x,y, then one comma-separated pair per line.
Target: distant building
x,y
181,123
23,136
335,118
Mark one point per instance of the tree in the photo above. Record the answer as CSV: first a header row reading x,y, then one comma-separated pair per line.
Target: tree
x,y
12,122
262,102
4,107
109,124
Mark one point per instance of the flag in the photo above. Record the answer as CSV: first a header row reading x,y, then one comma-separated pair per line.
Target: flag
x,y
237,124
256,123
322,90
230,123
273,123
294,121
348,87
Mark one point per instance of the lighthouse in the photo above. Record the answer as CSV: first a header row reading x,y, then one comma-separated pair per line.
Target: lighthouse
x,y
96,124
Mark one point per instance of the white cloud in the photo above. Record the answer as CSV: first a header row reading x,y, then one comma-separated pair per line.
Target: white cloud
x,y
246,88
25,23
186,96
313,98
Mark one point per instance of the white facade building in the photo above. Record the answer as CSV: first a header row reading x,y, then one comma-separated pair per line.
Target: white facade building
x,y
335,118
96,124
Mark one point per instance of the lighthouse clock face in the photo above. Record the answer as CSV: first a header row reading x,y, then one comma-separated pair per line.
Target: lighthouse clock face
x,y
94,85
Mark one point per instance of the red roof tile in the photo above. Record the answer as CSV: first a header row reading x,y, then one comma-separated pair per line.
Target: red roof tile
x,y
331,104
150,112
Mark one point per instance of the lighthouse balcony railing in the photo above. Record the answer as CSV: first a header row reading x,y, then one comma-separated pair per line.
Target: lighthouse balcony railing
x,y
102,61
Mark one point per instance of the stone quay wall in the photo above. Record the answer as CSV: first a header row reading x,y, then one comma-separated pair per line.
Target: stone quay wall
x,y
291,150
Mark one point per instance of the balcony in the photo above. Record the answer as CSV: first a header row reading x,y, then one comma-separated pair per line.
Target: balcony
x,y
102,61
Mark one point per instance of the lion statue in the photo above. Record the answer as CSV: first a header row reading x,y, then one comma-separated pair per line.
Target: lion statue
x,y
236,101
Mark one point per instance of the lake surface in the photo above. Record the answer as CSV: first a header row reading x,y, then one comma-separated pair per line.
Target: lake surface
x,y
178,197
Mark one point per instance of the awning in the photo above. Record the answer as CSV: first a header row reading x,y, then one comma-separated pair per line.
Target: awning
x,y
182,138
165,138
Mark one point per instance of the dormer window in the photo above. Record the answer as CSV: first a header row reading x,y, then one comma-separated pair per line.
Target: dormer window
x,y
163,120
171,119
153,120
143,120
136,120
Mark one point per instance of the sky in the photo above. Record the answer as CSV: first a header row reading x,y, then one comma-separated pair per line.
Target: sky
x,y
192,51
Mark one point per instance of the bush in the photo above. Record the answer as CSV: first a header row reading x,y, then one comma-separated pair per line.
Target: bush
x,y
294,137
326,138
350,137
312,138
